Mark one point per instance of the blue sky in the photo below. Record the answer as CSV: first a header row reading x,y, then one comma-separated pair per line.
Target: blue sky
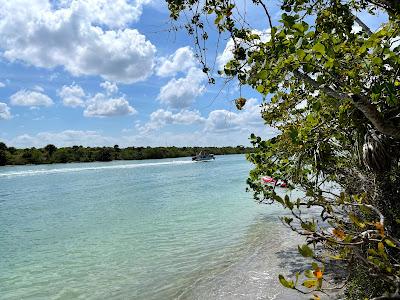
x,y
105,72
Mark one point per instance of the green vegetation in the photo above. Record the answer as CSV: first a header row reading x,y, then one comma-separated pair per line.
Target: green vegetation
x,y
51,154
333,93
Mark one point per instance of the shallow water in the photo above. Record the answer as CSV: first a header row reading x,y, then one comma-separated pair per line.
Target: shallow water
x,y
155,229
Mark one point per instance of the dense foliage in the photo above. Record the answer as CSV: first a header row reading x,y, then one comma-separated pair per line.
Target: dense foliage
x,y
331,86
51,154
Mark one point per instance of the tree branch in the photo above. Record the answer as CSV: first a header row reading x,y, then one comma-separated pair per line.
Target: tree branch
x,y
363,25
371,113
390,6
266,11
369,110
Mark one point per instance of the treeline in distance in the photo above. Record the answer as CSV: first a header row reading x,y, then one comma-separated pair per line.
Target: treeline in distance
x,y
51,154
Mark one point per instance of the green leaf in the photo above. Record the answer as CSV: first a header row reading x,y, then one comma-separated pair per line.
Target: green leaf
x,y
299,27
329,63
305,251
308,57
316,106
260,89
381,248
320,48
218,19
310,283
262,75
286,283
287,220
293,134
377,60
301,54
309,274
362,49
288,203
390,243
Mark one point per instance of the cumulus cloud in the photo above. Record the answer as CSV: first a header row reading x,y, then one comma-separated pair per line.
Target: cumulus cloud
x,y
181,93
63,138
181,61
112,13
102,106
30,98
161,118
219,128
72,96
111,88
68,35
5,112
226,55
223,120
2,84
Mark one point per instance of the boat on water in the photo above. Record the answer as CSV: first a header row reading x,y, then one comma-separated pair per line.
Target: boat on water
x,y
202,156
273,182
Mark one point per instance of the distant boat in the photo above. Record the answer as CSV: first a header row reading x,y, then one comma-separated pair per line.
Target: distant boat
x,y
203,157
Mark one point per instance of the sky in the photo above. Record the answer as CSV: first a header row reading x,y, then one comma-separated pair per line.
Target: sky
x,y
106,72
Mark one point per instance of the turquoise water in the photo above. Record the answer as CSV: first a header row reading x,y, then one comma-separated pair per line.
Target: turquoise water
x,y
154,229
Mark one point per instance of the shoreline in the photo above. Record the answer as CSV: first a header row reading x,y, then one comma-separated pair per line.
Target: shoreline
x,y
110,161
10,156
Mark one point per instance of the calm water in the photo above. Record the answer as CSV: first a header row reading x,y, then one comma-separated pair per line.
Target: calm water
x,y
155,229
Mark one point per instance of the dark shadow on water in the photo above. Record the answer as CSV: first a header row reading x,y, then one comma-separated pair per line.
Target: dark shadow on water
x,y
291,261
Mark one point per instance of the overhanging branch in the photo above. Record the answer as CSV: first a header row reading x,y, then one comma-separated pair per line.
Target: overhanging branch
x,y
266,11
363,25
361,102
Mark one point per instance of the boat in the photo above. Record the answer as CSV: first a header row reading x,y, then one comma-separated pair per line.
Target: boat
x,y
273,182
202,156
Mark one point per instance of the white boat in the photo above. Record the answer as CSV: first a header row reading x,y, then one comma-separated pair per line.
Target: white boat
x,y
203,157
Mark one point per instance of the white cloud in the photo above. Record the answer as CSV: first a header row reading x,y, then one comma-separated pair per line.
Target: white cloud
x,y
102,106
94,138
196,138
39,34
111,88
2,84
112,13
220,127
99,105
182,60
5,113
224,120
72,96
64,138
161,118
38,88
227,55
30,98
181,93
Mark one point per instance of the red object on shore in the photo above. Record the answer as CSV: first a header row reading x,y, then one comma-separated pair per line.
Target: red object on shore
x,y
273,181
268,179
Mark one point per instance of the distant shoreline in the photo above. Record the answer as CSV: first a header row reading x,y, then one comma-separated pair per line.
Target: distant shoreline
x,y
10,156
